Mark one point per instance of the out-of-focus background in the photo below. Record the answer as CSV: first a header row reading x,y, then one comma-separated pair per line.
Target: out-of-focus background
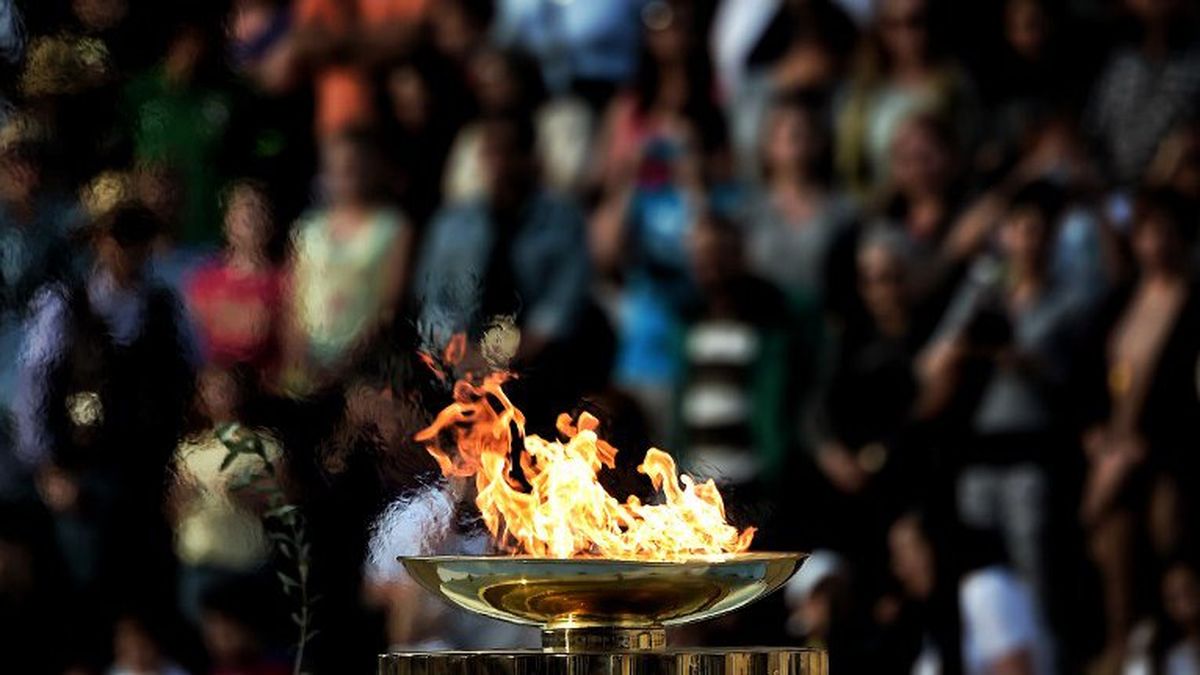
x,y
913,280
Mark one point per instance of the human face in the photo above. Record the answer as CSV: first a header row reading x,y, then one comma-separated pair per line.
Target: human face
x,y
920,163
495,83
345,172
1023,236
666,27
791,139
1181,595
1026,27
1155,244
904,29
882,282
248,222
912,558
123,263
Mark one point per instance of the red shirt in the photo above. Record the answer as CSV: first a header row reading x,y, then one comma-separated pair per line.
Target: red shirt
x,y
236,312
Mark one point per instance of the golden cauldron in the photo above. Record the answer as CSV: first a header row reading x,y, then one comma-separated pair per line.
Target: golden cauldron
x,y
604,616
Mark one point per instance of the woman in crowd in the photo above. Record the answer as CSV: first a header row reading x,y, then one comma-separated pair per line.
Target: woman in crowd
x,y
220,475
1157,68
866,407
923,201
795,218
1170,642
348,265
1141,459
511,82
651,155
235,300
903,69
1004,346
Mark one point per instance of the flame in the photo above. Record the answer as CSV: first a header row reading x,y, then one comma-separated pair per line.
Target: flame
x,y
561,510
452,355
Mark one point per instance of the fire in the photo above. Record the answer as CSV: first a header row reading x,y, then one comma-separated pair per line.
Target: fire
x,y
562,510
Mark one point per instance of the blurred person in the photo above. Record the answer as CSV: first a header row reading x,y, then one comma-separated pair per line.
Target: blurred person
x,y
765,48
426,102
34,218
1016,323
865,410
903,70
1176,162
509,81
236,299
745,361
219,475
811,596
796,216
1041,68
338,42
1148,85
652,152
923,200
1169,643
670,93
517,255
978,616
35,221
1139,399
921,627
270,136
178,115
137,650
347,268
588,48
819,602
104,377
457,28
803,43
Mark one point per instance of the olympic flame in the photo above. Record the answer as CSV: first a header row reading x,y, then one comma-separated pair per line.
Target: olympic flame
x,y
561,510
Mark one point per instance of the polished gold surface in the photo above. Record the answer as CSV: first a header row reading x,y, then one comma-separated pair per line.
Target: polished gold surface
x,y
592,593
755,661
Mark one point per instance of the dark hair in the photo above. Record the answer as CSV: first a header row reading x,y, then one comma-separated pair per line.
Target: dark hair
x,y
1180,211
368,145
700,103
524,135
129,225
1041,195
527,73
814,104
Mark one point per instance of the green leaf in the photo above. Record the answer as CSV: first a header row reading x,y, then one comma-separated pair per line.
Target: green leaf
x,y
287,581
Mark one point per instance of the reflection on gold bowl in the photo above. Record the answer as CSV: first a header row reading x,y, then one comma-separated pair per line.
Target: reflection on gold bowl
x,y
586,593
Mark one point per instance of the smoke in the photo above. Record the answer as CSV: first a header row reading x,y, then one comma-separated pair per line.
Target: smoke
x,y
421,523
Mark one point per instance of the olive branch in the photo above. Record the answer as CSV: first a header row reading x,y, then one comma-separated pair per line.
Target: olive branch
x,y
284,525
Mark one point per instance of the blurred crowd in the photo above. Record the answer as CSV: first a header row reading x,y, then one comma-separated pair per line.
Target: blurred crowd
x,y
913,280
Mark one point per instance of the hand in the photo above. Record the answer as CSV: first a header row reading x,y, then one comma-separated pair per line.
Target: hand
x,y
1113,457
842,469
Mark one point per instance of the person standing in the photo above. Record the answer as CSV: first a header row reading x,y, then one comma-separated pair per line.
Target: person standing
x,y
104,380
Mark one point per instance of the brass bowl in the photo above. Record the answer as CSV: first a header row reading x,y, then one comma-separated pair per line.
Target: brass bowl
x,y
594,593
